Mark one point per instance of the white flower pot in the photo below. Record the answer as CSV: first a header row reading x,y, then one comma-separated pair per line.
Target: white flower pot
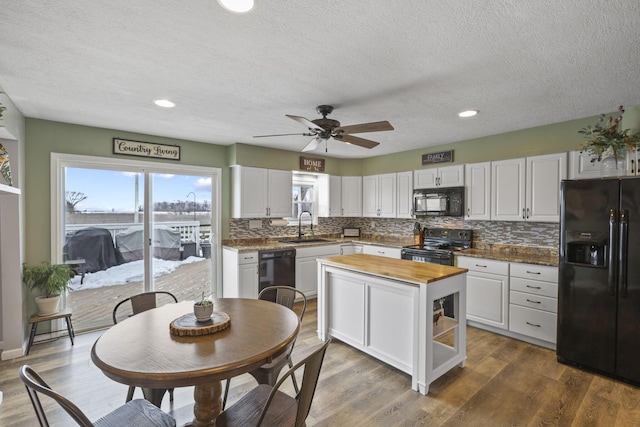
x,y
202,312
48,306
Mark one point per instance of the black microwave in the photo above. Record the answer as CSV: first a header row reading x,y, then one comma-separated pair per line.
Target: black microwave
x,y
447,201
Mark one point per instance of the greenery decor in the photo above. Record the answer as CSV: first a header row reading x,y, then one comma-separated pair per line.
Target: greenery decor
x,y
49,279
203,302
605,139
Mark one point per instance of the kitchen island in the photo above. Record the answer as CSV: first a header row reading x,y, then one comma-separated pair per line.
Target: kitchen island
x,y
385,308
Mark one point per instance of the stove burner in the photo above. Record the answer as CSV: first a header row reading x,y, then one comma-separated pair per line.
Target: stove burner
x,y
438,245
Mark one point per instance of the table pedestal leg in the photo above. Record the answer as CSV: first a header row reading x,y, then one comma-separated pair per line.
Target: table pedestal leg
x,y
208,403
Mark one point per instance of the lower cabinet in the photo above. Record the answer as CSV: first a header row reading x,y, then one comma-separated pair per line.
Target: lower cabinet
x,y
240,274
487,291
307,267
381,251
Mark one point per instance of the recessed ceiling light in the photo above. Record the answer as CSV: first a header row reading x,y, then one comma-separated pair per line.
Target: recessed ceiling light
x,y
239,6
468,113
164,103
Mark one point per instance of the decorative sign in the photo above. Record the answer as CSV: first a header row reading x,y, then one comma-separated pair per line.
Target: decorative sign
x,y
145,149
441,157
311,165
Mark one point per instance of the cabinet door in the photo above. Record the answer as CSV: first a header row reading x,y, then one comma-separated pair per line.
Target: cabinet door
x,y
581,166
425,178
346,302
381,251
250,189
488,299
632,163
248,280
335,195
280,196
370,196
404,192
478,191
451,176
544,174
307,275
351,196
508,190
387,195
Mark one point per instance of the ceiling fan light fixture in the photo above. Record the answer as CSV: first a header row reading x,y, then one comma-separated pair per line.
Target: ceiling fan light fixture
x,y
238,6
164,103
468,113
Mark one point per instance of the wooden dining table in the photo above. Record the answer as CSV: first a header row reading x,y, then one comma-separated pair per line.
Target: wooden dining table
x,y
141,351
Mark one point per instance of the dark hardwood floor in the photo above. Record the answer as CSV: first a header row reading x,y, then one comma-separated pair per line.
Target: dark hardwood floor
x,y
504,383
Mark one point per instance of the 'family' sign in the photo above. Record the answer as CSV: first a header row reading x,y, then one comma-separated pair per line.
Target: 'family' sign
x,y
441,157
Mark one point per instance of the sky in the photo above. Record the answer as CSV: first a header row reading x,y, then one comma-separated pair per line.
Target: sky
x,y
114,191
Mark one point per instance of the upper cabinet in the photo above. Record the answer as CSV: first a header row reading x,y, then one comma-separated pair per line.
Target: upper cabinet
x,y
379,195
351,196
404,193
477,177
528,189
581,166
448,176
261,193
632,163
329,195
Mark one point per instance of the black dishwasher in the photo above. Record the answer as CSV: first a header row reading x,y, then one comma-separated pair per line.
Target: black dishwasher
x,y
277,268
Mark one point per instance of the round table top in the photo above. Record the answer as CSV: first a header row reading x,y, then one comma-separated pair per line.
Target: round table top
x,y
141,350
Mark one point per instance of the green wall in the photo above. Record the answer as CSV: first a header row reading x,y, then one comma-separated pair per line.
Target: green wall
x,y
44,137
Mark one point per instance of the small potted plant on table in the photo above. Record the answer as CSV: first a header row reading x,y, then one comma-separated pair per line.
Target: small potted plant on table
x,y
50,280
203,309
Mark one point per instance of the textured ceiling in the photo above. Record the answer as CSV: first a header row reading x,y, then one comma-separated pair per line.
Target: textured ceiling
x,y
415,63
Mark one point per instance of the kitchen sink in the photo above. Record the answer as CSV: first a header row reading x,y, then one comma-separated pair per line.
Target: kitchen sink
x,y
307,241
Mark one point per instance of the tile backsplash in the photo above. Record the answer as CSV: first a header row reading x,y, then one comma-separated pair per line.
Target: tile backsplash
x,y
539,234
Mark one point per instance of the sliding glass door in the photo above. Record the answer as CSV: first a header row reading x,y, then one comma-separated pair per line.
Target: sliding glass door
x,y
132,228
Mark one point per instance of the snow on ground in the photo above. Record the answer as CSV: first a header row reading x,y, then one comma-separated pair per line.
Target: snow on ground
x,y
127,273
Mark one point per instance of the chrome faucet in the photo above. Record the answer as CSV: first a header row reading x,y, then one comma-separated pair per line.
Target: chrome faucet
x,y
300,233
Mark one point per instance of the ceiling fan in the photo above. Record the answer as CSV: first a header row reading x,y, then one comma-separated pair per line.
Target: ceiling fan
x,y
324,128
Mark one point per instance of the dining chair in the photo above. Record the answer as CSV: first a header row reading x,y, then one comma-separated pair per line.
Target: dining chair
x,y
137,412
269,405
268,373
137,304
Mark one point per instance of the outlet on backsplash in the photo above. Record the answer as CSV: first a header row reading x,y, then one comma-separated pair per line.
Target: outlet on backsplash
x,y
255,223
373,224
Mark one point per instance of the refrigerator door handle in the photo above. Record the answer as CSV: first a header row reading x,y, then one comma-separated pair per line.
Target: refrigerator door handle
x,y
612,240
622,253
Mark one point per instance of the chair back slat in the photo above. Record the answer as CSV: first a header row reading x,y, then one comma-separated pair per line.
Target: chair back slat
x,y
139,303
286,296
35,384
309,382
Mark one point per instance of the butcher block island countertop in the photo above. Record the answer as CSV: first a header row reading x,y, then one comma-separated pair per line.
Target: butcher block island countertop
x,y
385,307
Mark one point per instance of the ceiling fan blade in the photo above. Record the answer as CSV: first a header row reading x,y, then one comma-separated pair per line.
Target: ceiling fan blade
x,y
365,127
283,134
366,143
308,123
312,145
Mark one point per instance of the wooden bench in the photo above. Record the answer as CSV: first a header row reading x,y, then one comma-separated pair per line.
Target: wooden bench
x,y
35,319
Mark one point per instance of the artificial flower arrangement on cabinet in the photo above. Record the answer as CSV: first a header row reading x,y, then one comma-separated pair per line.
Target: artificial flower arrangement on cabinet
x,y
607,143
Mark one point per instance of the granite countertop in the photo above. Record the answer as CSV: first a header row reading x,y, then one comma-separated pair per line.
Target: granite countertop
x,y
512,253
249,245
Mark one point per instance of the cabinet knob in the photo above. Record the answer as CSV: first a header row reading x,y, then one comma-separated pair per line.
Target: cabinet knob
x,y
528,213
632,167
523,215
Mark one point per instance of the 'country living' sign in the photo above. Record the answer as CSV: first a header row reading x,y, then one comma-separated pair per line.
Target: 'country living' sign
x,y
145,149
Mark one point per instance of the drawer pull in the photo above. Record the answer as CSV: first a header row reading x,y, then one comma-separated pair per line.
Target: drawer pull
x,y
533,287
533,272
533,324
481,266
534,302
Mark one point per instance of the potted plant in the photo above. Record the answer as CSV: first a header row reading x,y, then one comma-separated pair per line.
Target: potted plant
x,y
203,309
607,143
50,280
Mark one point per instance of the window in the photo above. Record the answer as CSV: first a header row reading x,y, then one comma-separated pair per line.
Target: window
x,y
305,198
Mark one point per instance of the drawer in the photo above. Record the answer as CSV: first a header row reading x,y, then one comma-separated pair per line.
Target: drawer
x,y
534,301
535,272
247,257
535,287
483,265
533,323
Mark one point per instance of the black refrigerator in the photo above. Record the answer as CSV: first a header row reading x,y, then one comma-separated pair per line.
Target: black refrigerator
x,y
599,276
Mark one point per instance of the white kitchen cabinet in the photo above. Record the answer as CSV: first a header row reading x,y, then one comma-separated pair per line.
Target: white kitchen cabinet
x,y
487,291
581,166
261,193
477,177
632,163
239,274
448,176
381,251
534,301
350,248
351,196
527,189
307,266
379,195
329,196
404,194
